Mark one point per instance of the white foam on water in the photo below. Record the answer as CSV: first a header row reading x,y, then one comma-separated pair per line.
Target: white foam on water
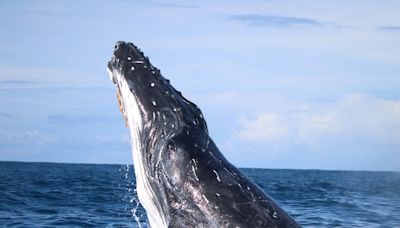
x,y
133,201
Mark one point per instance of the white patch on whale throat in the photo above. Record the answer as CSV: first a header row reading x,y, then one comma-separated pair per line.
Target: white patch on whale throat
x,y
135,122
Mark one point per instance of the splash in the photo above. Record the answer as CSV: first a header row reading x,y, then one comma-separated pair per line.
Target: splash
x,y
135,207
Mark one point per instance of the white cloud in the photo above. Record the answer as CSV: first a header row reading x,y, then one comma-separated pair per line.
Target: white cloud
x,y
316,124
354,118
124,139
266,127
47,76
28,137
370,118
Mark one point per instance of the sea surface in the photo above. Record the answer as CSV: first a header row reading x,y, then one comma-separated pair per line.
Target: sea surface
x,y
82,195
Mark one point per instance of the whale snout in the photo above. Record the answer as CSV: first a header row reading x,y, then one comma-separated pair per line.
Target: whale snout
x,y
129,60
126,59
126,51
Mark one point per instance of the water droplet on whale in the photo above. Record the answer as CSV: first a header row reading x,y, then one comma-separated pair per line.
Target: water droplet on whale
x,y
216,174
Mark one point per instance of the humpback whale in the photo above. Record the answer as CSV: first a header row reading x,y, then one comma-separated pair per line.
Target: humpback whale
x,y
183,180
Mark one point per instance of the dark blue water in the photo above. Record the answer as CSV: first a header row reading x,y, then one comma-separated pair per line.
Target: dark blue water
x,y
77,195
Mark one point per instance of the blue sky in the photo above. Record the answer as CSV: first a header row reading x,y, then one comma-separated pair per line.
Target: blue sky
x,y
282,84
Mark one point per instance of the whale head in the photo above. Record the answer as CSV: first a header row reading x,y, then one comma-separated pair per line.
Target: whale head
x,y
153,94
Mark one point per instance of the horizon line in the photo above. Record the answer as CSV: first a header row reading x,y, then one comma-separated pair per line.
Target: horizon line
x,y
131,164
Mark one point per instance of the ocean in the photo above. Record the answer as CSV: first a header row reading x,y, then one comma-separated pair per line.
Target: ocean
x,y
88,195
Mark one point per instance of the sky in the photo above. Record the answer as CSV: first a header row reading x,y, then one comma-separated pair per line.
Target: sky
x,y
296,84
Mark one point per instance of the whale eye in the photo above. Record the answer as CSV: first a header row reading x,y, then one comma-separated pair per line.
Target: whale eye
x,y
171,146
171,150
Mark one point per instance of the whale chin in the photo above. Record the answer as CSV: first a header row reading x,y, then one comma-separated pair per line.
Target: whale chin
x,y
182,178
